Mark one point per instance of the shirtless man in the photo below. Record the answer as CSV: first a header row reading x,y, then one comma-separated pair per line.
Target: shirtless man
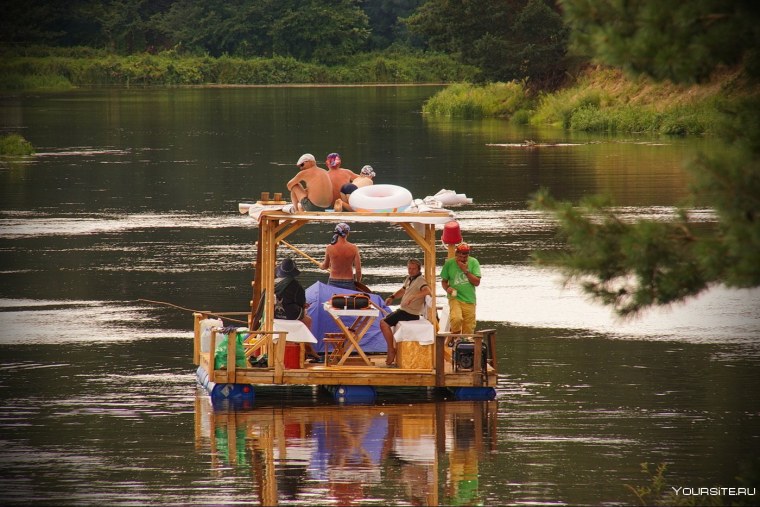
x,y
310,189
366,177
342,259
338,175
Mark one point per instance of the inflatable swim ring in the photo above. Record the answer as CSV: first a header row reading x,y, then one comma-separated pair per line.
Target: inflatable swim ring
x,y
380,199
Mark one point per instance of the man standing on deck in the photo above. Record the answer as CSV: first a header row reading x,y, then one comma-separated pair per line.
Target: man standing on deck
x,y
459,277
341,259
310,189
412,294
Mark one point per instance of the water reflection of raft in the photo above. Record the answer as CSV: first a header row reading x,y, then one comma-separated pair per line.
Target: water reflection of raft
x,y
229,373
288,450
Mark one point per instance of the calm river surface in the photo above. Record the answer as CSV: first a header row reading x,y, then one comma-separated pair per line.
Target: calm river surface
x,y
133,194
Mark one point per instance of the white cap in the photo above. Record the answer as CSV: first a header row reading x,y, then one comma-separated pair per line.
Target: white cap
x,y
305,157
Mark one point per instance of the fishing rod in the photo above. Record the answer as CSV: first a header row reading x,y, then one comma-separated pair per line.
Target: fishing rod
x,y
220,315
312,259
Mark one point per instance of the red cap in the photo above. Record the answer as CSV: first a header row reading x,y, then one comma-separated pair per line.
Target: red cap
x,y
463,248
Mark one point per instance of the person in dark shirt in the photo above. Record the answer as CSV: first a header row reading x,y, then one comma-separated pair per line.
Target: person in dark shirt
x,y
290,298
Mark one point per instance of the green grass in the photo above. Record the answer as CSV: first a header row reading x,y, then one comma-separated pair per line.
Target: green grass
x,y
15,145
601,100
604,100
34,68
471,101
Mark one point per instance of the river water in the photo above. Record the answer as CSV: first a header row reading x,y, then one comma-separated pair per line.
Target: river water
x,y
133,195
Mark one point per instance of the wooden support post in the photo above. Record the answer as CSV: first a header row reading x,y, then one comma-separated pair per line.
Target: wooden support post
x,y
477,367
430,274
197,318
269,258
231,356
256,279
440,374
489,335
279,357
212,357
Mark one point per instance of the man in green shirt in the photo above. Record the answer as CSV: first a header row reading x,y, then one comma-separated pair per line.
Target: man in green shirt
x,y
459,277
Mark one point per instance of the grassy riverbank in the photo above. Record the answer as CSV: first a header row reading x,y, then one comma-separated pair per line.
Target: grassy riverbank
x,y
600,100
60,69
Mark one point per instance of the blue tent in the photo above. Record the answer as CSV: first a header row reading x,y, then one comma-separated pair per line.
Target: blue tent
x,y
322,322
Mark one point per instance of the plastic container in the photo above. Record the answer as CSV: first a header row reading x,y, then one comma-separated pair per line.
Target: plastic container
x,y
206,325
292,356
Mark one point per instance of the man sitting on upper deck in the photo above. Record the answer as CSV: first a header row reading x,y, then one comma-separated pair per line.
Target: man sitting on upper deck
x,y
310,189
338,175
366,177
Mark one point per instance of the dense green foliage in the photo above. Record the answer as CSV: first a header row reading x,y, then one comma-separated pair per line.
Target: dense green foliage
x,y
315,31
385,21
633,266
507,39
668,39
15,145
66,68
319,31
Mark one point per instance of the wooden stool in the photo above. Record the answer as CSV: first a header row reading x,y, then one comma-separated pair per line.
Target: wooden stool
x,y
338,341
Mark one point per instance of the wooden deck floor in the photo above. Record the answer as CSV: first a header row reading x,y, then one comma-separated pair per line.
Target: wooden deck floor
x,y
353,374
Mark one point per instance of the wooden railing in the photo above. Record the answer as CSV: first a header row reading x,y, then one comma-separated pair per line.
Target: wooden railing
x,y
263,341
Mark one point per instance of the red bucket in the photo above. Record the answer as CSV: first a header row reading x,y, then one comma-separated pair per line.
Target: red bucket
x,y
292,356
451,233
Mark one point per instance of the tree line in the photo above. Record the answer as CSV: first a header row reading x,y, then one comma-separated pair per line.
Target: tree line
x,y
504,39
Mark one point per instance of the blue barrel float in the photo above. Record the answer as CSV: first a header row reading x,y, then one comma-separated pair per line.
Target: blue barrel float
x,y
352,395
473,393
219,392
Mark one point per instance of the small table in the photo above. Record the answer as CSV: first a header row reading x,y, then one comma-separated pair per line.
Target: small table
x,y
356,331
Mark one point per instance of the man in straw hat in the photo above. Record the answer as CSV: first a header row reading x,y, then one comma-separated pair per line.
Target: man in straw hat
x,y
290,298
310,189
